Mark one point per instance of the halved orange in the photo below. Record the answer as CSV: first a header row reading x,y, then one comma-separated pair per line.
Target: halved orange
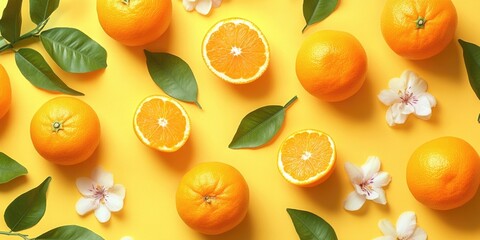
x,y
236,51
307,158
161,123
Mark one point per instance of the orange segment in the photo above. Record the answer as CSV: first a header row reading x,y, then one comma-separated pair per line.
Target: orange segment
x,y
162,123
236,51
307,158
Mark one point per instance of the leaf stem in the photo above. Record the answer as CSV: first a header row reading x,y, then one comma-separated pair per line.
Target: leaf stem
x,y
33,33
198,104
290,102
24,236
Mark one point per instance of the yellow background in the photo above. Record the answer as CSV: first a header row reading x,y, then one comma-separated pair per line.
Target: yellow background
x,y
357,125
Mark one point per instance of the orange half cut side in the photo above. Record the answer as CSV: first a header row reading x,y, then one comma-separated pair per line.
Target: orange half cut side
x,y
162,123
307,158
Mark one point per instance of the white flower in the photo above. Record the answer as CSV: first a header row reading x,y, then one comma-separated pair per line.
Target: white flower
x,y
406,228
201,6
99,194
368,183
407,94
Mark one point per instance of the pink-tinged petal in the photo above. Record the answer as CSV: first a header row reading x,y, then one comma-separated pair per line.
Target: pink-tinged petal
x,y
387,228
118,189
388,97
381,199
385,238
189,5
406,224
389,116
370,168
102,213
397,85
85,205
416,85
398,117
371,194
102,178
419,234
85,186
114,202
354,201
381,179
354,173
423,109
203,6
406,109
217,3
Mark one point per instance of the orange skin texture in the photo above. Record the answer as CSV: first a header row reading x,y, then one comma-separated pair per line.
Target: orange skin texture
x,y
78,137
5,92
444,173
135,23
331,65
399,27
212,198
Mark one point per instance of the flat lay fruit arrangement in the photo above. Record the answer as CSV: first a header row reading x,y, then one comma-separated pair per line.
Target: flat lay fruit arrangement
x,y
239,120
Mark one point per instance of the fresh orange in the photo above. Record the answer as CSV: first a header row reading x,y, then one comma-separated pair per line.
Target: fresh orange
x,y
65,130
236,51
134,22
331,65
307,158
444,173
5,92
418,29
212,198
161,123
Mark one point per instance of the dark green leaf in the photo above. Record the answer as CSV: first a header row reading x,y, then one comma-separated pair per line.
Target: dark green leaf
x,y
69,232
27,209
471,56
259,126
10,169
73,51
317,10
40,10
36,70
310,226
173,76
11,21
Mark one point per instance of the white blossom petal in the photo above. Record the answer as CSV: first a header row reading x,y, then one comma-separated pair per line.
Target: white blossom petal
x,y
398,117
406,224
423,109
85,186
371,167
419,234
102,213
387,228
431,99
102,178
381,199
416,85
114,202
385,238
406,109
118,189
354,173
381,179
388,97
85,205
203,6
189,5
389,116
398,84
371,194
354,201
216,3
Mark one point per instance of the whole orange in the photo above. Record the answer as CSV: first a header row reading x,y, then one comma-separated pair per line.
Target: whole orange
x,y
331,65
418,29
444,173
134,22
212,198
5,92
65,130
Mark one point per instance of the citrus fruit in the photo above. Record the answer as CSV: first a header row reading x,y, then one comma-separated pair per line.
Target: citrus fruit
x,y
65,130
161,123
331,65
5,92
444,173
236,51
307,158
134,22
418,29
212,198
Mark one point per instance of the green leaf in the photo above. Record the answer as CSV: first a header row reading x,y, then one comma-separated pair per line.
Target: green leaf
x,y
10,169
41,10
471,56
36,70
173,76
69,232
11,21
27,209
310,226
259,126
317,10
73,50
